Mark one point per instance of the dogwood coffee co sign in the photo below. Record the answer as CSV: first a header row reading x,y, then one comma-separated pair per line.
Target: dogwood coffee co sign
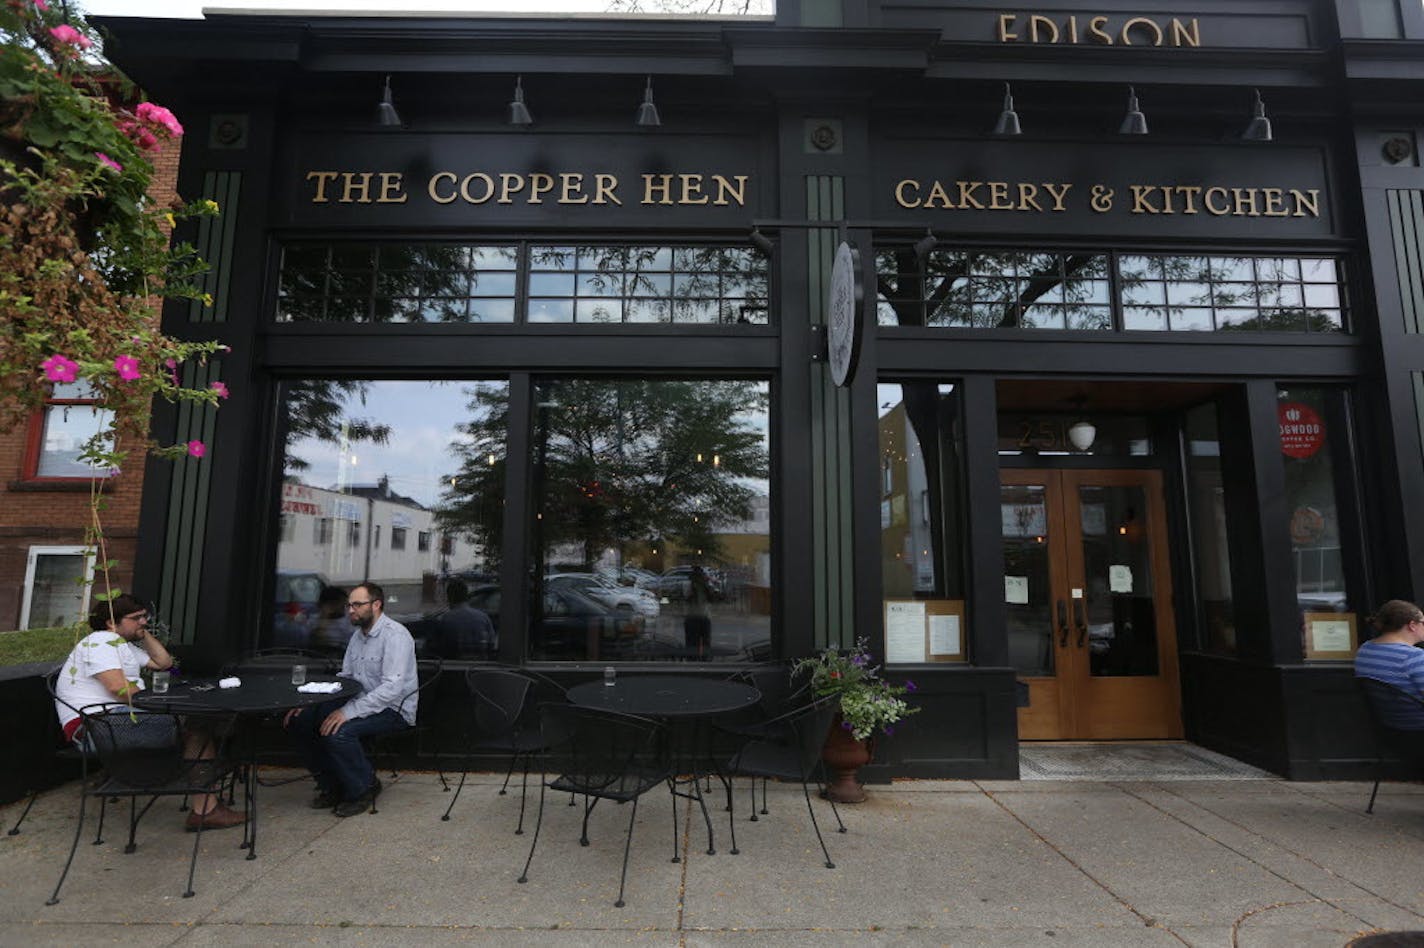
x,y
1302,431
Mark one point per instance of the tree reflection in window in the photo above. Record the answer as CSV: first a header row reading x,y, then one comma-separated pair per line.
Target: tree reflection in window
x,y
986,290
620,462
647,284
1162,292
469,283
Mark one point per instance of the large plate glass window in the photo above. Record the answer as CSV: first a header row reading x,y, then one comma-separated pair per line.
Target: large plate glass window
x,y
922,521
1323,518
651,531
412,457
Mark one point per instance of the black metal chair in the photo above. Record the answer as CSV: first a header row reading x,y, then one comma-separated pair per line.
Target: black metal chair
x,y
143,755
795,758
781,694
425,721
503,718
1390,707
601,755
66,752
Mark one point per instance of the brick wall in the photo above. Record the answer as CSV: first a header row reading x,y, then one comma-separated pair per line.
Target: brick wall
x,y
33,514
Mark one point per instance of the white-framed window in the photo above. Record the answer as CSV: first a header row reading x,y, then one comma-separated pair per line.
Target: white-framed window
x,y
58,580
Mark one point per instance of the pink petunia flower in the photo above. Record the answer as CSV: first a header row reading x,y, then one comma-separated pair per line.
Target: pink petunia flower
x,y
197,449
107,161
127,367
65,33
158,115
41,5
59,369
220,388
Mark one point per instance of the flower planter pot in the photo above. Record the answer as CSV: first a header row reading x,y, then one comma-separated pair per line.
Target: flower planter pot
x,y
843,756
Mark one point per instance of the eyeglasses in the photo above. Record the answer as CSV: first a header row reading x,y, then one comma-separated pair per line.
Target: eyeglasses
x,y
358,605
138,617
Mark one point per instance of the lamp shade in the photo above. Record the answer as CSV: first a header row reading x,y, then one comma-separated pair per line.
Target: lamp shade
x,y
648,112
1259,129
1081,434
1008,123
518,111
1134,122
386,114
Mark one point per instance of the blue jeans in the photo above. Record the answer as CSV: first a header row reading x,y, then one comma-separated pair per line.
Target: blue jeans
x,y
337,761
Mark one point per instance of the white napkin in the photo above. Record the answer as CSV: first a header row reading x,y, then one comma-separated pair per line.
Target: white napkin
x,y
320,687
230,683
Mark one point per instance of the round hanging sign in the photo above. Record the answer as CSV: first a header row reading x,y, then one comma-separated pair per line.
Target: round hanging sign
x,y
843,305
1307,526
1302,431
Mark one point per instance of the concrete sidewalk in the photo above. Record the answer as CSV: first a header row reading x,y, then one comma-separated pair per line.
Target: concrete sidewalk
x,y
924,863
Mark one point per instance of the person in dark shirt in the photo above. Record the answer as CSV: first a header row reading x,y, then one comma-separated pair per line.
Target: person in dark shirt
x,y
465,632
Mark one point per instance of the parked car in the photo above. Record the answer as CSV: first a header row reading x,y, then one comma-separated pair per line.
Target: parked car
x,y
295,609
569,626
621,599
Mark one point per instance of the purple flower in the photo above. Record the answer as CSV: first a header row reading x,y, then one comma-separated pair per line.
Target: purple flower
x,y
846,726
911,686
859,660
889,729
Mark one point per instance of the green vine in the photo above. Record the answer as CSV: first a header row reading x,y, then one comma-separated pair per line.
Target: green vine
x,y
85,251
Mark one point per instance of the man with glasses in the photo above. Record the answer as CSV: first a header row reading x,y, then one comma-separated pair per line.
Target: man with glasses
x,y
103,672
381,656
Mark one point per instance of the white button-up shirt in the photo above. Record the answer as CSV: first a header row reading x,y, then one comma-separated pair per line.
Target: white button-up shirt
x,y
382,659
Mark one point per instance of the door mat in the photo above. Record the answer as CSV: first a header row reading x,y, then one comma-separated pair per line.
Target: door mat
x,y
1131,761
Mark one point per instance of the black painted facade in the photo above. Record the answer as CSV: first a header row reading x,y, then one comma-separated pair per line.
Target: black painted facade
x,y
808,127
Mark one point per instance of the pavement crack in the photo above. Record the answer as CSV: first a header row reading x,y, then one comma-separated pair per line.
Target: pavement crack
x,y
1146,920
1333,903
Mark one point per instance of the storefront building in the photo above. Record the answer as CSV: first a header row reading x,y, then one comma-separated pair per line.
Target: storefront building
x,y
1069,355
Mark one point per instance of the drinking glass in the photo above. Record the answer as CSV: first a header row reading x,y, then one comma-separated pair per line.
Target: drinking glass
x,y
299,674
160,682
609,674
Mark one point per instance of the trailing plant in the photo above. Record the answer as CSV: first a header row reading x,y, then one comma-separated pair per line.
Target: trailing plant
x,y
85,253
869,703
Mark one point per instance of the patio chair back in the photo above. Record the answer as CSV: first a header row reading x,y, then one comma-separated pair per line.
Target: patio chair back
x,y
600,753
1391,710
139,750
501,702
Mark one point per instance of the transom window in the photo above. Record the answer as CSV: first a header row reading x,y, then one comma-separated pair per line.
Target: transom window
x,y
468,283
1023,289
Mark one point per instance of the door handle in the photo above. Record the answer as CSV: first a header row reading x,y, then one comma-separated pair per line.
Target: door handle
x,y
1080,612
1062,624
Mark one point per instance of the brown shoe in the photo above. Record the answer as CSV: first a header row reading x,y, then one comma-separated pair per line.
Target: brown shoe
x,y
217,818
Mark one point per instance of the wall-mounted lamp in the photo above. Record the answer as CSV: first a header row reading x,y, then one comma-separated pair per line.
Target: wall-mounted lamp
x,y
1134,123
1082,433
386,113
1008,123
518,111
648,112
925,244
761,241
1259,129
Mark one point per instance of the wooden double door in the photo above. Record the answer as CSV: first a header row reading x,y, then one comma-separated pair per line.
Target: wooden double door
x,y
1089,604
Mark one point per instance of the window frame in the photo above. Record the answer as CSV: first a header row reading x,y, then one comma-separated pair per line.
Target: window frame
x,y
34,444
32,556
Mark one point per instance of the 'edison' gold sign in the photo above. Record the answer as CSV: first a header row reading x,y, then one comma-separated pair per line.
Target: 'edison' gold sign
x,y
1098,30
568,187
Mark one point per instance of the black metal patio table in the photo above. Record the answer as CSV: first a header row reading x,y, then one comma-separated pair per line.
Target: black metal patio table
x,y
687,704
261,693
